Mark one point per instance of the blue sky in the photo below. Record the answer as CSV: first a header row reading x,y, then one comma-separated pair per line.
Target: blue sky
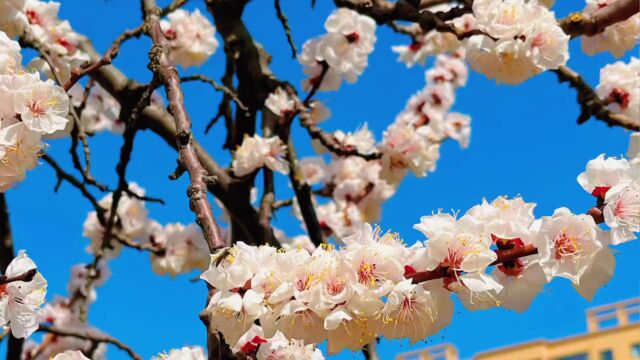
x,y
524,142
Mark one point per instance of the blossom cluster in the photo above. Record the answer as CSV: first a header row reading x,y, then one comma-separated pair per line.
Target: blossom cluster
x,y
520,39
619,87
351,294
29,109
357,187
340,54
413,140
177,248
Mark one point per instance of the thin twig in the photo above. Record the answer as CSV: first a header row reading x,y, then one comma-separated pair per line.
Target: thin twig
x,y
282,203
65,176
175,5
216,86
285,25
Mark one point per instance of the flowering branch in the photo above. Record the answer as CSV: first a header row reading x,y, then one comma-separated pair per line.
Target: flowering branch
x,y
590,103
445,271
578,24
91,336
329,141
503,256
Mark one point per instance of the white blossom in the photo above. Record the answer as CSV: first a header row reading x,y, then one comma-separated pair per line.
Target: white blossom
x,y
19,149
567,244
344,50
43,108
256,152
619,87
603,173
622,211
184,247
10,57
191,36
528,40
280,103
12,19
20,301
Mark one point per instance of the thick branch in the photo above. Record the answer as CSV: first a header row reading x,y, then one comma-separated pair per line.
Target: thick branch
x,y
188,158
578,24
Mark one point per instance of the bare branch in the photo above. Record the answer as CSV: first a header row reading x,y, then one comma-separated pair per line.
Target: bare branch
x,y
160,65
64,176
215,85
287,30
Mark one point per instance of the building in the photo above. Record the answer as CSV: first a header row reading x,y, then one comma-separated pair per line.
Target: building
x,y
613,334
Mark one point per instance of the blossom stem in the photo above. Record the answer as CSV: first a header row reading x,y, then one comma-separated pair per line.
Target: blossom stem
x,y
25,276
444,271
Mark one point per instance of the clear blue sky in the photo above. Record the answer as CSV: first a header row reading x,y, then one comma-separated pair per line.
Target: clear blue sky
x,y
524,141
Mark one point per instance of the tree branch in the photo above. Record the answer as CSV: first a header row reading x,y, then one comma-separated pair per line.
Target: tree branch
x,y
228,92
287,30
90,336
590,104
578,24
188,158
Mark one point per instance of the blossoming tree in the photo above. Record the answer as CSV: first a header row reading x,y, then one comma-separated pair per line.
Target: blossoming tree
x,y
344,281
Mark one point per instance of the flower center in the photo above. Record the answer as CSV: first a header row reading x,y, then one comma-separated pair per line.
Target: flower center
x,y
33,17
366,274
36,108
566,246
620,97
335,286
353,37
415,46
